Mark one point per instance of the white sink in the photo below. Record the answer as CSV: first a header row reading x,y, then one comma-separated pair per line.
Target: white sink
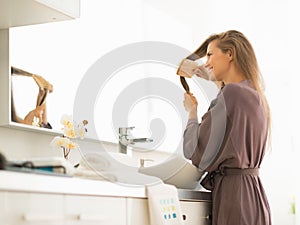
x,y
173,170
176,171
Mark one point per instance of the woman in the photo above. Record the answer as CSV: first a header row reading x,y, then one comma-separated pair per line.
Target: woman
x,y
230,141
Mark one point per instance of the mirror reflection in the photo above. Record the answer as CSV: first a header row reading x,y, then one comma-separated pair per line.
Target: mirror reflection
x,y
28,103
62,52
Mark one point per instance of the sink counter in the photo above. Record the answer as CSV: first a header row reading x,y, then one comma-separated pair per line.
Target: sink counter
x,y
27,198
51,184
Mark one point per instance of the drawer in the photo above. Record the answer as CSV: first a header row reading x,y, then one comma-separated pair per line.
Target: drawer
x,y
137,211
33,209
94,210
193,213
196,213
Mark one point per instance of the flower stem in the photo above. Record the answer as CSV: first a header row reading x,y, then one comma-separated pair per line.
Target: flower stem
x,y
66,153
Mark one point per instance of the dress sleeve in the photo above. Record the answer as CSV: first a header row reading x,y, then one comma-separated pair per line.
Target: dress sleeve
x,y
190,138
202,142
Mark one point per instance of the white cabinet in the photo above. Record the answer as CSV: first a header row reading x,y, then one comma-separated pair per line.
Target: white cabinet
x,y
95,210
21,208
193,212
34,209
137,211
26,12
31,199
2,206
196,213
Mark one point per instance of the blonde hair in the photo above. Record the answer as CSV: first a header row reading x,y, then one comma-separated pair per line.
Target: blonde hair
x,y
245,60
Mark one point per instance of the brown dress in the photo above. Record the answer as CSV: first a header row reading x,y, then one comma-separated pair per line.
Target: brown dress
x,y
229,144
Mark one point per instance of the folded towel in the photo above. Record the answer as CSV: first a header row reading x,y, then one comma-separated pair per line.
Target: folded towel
x,y
164,206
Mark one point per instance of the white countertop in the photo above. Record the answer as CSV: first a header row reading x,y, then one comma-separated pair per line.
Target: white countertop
x,y
15,181
28,182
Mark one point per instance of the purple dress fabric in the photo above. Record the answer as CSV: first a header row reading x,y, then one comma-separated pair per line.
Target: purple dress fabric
x,y
232,135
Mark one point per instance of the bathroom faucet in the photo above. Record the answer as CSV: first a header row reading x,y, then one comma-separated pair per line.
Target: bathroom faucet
x,y
124,139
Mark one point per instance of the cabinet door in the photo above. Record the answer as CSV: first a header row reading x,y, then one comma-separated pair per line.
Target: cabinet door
x,y
95,210
33,209
2,207
196,213
137,211
193,213
69,7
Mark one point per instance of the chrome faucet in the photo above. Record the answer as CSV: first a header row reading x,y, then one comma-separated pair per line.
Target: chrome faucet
x,y
124,139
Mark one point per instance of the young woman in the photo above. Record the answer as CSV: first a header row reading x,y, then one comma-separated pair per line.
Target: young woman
x,y
230,141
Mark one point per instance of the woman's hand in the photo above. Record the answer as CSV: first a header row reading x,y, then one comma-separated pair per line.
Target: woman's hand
x,y
190,104
203,72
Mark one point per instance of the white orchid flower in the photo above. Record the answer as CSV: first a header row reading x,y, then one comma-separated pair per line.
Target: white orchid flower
x,y
66,120
63,142
70,130
80,130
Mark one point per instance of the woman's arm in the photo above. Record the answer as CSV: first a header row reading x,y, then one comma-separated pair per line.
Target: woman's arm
x,y
202,142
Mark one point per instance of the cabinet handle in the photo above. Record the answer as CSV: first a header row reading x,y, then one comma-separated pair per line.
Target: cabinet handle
x,y
90,217
41,217
208,217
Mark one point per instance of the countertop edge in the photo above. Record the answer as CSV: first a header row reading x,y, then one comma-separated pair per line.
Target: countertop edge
x,y
27,182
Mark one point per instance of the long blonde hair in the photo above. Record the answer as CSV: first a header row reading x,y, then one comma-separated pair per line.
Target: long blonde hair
x,y
244,59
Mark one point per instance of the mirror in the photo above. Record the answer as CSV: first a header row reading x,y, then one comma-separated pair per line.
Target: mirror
x,y
29,109
62,52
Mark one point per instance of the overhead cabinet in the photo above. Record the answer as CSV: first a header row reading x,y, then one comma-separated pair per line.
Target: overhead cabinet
x,y
15,13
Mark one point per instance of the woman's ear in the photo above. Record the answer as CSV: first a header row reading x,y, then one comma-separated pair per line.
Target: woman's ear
x,y
229,54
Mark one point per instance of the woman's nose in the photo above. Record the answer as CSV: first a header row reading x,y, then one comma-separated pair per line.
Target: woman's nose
x,y
206,64
207,61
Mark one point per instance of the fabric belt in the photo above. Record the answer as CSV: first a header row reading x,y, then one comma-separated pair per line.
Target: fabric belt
x,y
238,171
231,171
